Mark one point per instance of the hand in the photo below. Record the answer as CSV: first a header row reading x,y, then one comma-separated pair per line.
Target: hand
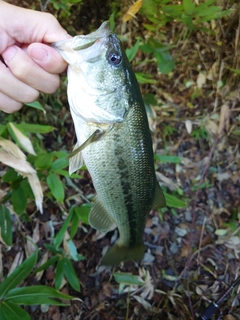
x,y
27,64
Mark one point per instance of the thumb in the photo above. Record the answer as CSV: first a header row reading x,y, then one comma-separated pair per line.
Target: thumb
x,y
46,57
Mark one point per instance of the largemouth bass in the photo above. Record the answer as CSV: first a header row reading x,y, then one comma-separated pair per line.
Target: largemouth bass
x,y
113,139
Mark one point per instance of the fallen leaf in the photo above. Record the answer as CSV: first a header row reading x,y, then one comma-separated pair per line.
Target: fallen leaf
x,y
23,140
132,10
201,80
224,119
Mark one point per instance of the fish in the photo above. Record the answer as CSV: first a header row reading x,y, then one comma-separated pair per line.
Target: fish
x,y
113,139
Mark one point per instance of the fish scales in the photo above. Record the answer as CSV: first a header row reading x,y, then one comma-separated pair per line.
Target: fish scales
x,y
127,186
113,139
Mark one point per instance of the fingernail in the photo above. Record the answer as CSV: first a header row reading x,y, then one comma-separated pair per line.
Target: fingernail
x,y
9,53
37,53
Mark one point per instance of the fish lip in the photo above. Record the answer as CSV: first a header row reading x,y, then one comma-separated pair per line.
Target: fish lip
x,y
82,42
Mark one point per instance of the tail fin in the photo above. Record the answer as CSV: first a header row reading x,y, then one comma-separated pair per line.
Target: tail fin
x,y
119,253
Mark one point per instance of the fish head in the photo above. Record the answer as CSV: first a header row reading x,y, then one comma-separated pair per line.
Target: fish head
x,y
99,75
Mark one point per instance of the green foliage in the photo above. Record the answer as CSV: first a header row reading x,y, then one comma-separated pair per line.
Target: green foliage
x,y
5,226
11,296
160,12
61,257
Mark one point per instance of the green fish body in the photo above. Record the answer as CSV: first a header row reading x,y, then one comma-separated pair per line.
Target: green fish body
x,y
113,137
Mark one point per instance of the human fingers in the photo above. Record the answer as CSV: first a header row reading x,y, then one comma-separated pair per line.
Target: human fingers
x,y
8,104
28,26
14,89
47,58
28,71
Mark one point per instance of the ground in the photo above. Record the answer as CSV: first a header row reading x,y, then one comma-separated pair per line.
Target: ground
x,y
192,253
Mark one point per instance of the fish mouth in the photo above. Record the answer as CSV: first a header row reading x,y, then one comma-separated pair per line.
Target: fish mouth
x,y
82,42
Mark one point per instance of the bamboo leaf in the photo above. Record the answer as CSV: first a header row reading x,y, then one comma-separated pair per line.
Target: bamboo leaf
x,y
70,275
60,235
18,275
56,187
12,311
5,226
36,295
128,278
174,202
59,273
21,138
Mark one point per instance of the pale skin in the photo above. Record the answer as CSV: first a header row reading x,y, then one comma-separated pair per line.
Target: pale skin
x,y
28,65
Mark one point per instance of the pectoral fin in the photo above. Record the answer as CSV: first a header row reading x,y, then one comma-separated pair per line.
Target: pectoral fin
x,y
159,200
93,137
75,158
76,161
99,218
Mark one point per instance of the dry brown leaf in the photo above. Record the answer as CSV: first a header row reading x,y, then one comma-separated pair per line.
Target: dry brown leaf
x,y
42,261
132,10
12,148
24,141
31,246
20,165
36,189
229,317
211,127
201,80
166,181
16,262
13,157
224,119
189,126
213,72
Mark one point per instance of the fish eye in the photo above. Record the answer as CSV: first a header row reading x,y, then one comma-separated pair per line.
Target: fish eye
x,y
114,58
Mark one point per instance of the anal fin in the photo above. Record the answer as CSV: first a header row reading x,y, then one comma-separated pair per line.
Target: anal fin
x,y
99,218
159,200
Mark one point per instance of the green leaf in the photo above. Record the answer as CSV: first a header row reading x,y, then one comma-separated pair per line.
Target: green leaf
x,y
2,128
5,226
10,176
59,271
188,6
36,295
60,163
19,200
36,105
73,251
56,187
18,275
71,276
172,201
34,128
131,52
60,235
44,161
83,212
53,249
145,78
12,311
128,278
65,173
47,264
203,6
74,227
167,159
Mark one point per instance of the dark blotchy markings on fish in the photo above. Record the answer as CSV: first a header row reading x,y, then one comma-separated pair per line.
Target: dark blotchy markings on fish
x,y
105,98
